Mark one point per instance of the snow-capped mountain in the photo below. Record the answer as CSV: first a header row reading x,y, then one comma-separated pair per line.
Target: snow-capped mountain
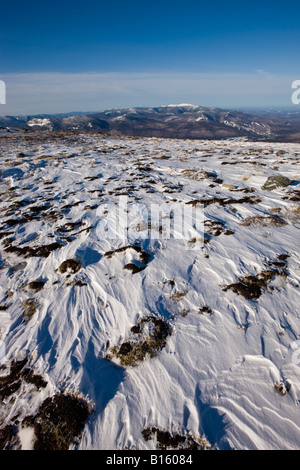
x,y
169,121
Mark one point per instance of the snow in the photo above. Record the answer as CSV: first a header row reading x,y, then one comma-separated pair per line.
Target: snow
x,y
256,127
217,373
202,117
39,122
181,105
27,438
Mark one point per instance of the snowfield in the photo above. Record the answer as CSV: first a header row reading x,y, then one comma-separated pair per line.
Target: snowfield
x,y
173,342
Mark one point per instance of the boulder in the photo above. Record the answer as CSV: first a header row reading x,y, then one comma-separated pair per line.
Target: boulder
x,y
274,182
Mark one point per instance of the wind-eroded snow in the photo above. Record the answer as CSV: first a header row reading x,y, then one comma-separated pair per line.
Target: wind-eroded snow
x,y
227,371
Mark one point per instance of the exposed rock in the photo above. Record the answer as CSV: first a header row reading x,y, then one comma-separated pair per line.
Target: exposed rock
x,y
274,182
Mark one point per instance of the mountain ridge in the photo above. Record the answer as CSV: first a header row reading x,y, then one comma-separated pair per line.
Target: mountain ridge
x,y
186,121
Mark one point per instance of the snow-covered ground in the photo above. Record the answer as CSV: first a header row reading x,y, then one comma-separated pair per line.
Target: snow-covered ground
x,y
229,369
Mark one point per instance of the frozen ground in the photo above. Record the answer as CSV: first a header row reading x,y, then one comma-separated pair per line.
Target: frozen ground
x,y
213,357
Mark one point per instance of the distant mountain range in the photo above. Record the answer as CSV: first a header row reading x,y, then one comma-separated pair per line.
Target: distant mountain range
x,y
184,121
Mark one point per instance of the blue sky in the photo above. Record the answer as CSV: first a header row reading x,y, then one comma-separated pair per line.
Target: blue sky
x,y
59,55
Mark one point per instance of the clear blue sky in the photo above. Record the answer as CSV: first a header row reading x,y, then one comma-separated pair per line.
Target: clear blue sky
x,y
157,37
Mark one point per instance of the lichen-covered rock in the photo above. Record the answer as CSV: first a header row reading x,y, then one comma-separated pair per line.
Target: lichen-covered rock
x,y
274,182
